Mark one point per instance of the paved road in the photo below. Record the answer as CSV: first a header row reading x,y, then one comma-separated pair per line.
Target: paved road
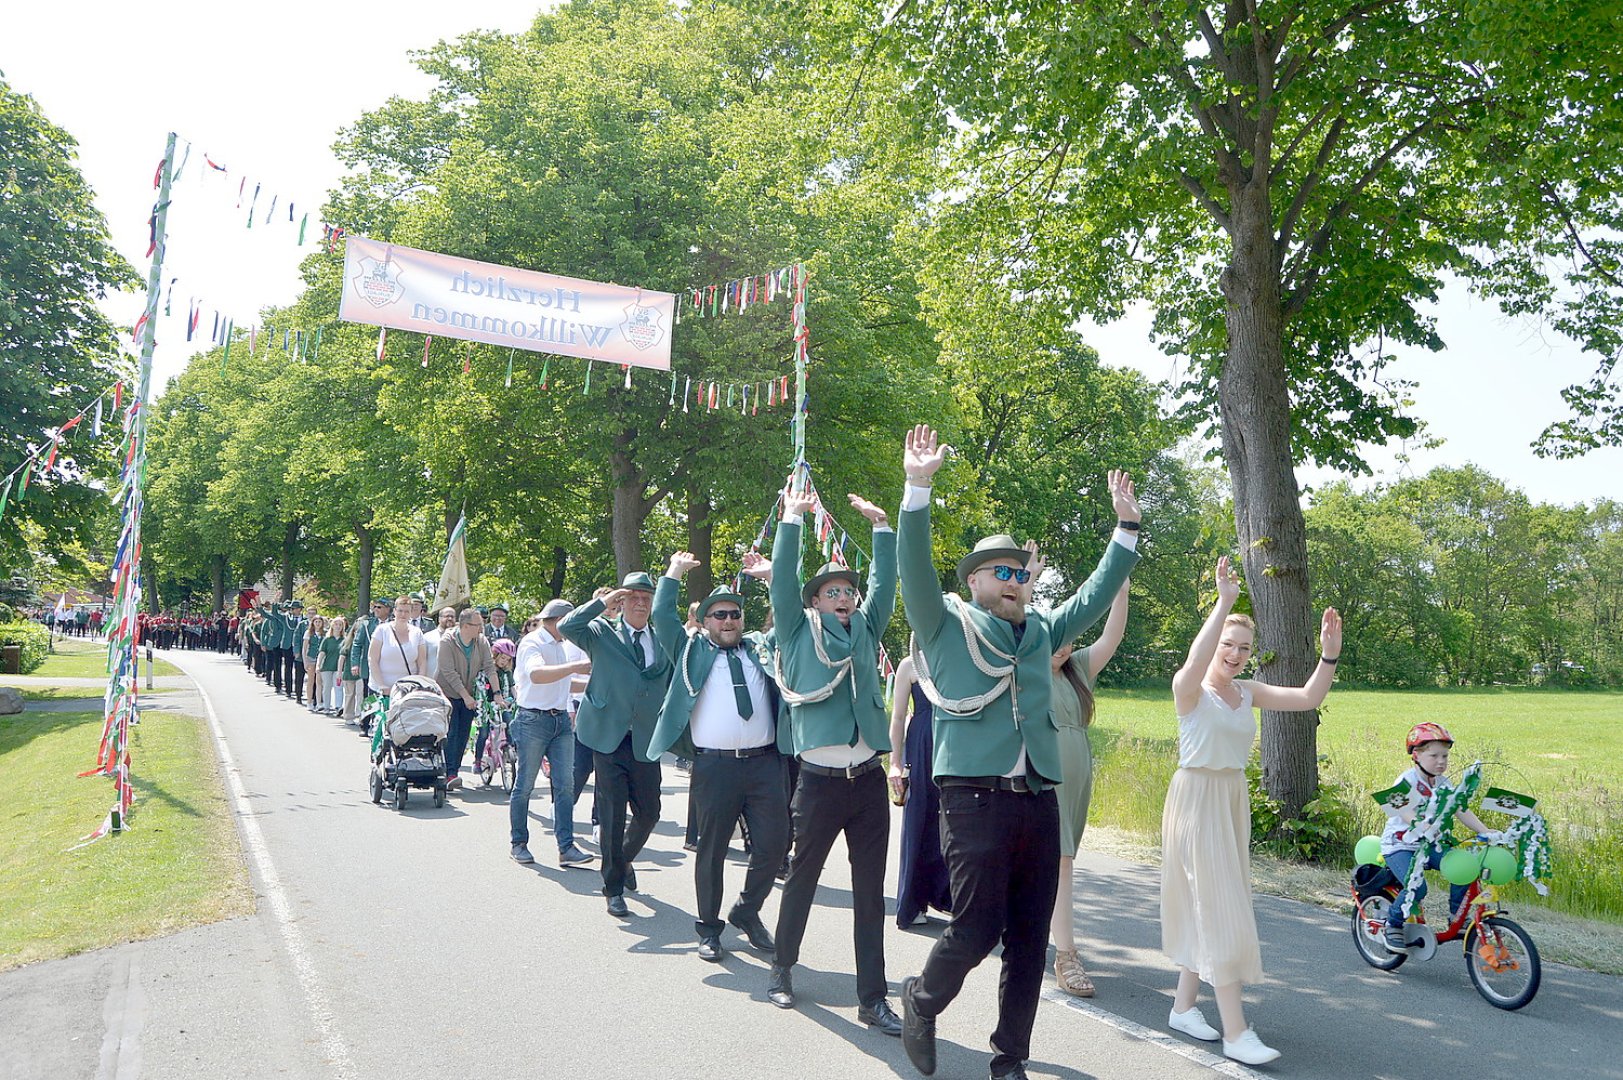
x,y
390,944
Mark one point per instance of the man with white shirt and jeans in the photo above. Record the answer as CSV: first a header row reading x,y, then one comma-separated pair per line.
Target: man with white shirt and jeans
x,y
540,728
721,711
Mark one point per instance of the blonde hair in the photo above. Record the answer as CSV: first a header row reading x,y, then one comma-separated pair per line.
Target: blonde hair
x,y
1241,619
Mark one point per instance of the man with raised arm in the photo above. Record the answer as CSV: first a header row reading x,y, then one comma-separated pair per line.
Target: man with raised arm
x,y
827,638
984,665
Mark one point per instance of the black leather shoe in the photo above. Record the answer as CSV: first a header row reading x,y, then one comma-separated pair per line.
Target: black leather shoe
x,y
1016,1073
880,1015
631,879
710,950
781,990
617,907
754,929
918,1032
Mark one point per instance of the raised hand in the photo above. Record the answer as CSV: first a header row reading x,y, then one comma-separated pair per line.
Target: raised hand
x,y
1036,562
1228,585
757,566
799,502
922,454
681,563
1122,496
1330,634
868,510
613,600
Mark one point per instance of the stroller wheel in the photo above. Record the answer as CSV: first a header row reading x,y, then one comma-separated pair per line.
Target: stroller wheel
x,y
439,797
400,796
377,786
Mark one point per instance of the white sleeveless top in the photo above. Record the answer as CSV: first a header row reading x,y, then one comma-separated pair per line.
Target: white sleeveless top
x,y
1214,736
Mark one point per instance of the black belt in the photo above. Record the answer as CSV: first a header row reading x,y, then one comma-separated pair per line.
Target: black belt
x,y
1020,784
849,773
750,751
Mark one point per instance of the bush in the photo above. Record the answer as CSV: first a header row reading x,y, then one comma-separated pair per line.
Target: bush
x,y
1324,833
34,639
7,613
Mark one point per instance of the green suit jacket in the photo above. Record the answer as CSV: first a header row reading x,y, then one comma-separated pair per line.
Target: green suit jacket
x,y
858,703
621,696
273,631
987,742
671,730
360,646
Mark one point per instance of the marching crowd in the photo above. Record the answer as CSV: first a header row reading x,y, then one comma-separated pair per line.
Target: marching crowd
x,y
786,733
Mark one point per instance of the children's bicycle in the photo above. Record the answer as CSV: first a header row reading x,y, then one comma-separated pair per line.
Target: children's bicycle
x,y
498,758
1500,956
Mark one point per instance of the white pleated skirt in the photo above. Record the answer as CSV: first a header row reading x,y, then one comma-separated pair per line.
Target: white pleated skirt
x,y
1207,922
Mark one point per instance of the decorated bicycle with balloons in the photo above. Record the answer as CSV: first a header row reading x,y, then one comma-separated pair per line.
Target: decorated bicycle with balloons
x,y
1423,809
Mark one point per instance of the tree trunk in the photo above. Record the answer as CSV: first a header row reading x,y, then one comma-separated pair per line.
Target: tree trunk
x,y
560,563
1255,407
629,510
217,569
290,537
364,549
701,536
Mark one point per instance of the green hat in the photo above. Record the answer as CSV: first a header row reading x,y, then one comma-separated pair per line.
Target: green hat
x,y
638,580
385,601
418,596
298,604
1001,546
717,595
828,573
500,605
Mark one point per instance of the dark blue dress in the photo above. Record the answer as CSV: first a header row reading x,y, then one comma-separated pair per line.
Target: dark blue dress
x,y
922,881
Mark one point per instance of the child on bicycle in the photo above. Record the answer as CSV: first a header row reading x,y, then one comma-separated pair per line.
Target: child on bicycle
x,y
1428,746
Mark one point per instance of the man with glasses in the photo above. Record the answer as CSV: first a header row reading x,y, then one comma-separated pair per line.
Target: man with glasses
x,y
827,654
499,629
984,665
721,711
629,679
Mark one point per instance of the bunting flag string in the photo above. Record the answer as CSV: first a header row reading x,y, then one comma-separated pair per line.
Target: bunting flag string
x,y
45,456
740,294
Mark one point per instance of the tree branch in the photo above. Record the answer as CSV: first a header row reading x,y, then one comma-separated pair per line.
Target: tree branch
x,y
1572,231
1206,201
1287,225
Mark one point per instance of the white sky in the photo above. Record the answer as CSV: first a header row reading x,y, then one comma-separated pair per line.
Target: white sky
x,y
265,90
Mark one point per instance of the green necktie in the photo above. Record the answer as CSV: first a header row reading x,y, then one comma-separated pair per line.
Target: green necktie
x,y
636,650
741,691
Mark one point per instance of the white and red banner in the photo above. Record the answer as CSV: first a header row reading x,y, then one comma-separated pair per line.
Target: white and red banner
x,y
421,291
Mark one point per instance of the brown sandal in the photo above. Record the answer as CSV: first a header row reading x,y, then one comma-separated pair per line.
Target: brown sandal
x,y
1070,975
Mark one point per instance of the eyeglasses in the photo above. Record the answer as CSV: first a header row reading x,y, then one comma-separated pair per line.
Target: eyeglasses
x,y
726,616
1005,573
839,592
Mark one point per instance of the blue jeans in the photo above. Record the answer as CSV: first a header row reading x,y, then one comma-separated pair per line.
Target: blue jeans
x,y
534,735
1401,863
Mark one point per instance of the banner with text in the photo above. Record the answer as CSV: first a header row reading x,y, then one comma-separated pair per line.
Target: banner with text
x,y
427,293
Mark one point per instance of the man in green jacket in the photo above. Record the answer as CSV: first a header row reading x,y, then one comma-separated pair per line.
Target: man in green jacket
x,y
721,711
272,629
827,661
630,676
360,667
984,665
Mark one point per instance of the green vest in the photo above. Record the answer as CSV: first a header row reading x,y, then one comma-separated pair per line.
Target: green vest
x,y
986,740
857,703
621,696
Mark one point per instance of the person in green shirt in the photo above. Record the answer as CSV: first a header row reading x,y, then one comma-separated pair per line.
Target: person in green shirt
x,y
328,655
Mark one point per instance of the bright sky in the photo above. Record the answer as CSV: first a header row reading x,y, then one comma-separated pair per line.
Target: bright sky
x,y
264,92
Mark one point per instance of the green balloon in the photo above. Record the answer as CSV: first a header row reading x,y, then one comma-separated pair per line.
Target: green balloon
x,y
1501,865
1462,866
1368,851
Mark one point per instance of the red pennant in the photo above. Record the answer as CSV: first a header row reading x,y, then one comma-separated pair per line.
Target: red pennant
x,y
67,427
157,175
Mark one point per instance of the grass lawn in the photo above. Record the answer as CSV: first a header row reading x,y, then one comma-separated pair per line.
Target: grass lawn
x,y
179,864
1566,748
81,658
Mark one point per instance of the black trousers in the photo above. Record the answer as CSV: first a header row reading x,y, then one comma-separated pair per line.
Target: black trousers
x,y
724,787
623,780
824,807
276,663
1001,850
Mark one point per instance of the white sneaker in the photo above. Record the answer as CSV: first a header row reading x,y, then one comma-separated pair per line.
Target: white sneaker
x,y
1193,1024
1249,1049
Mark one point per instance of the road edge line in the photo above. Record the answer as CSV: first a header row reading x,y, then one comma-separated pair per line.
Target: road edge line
x,y
1220,1065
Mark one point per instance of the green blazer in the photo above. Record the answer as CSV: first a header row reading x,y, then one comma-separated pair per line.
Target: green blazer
x,y
620,696
858,703
360,645
273,629
988,741
671,730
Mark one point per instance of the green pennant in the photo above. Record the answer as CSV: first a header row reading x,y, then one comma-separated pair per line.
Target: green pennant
x,y
315,345
305,220
545,364
587,389
510,353
28,471
5,494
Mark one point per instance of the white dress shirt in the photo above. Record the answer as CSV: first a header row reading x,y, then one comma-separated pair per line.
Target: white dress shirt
x,y
716,725
540,649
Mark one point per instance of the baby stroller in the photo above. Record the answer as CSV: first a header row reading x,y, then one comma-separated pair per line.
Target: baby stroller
x,y
410,750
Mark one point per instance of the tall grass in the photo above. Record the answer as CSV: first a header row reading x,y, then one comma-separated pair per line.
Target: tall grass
x,y
1564,748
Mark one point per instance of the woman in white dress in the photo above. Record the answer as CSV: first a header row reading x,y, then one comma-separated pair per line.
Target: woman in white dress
x,y
1207,925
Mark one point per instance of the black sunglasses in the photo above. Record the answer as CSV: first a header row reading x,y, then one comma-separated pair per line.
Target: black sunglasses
x,y
726,616
1004,573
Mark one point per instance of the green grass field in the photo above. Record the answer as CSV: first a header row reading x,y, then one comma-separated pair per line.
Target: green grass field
x,y
81,658
179,864
1566,748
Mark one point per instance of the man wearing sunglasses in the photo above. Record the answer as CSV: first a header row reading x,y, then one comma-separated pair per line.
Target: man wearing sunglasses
x,y
721,712
984,665
828,671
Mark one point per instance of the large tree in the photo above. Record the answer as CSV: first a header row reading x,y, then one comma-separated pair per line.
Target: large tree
x,y
1287,183
57,350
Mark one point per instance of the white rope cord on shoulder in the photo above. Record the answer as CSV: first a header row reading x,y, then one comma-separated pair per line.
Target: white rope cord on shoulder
x,y
974,642
841,668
